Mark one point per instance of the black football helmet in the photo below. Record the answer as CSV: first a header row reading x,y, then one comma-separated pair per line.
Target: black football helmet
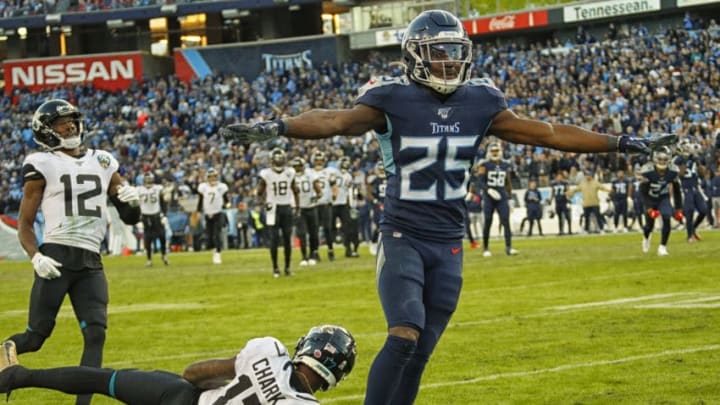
x,y
345,163
329,350
494,151
277,158
661,157
42,121
438,37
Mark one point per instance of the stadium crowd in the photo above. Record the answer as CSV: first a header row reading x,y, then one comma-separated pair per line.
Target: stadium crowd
x,y
630,81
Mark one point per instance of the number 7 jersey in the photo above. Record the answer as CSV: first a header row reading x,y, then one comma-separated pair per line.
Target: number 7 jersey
x,y
74,202
428,149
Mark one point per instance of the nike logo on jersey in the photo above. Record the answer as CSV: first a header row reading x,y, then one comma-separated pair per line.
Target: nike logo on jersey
x,y
455,250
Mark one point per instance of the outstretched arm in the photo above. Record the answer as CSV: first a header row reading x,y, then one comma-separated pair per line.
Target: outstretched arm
x,y
319,123
209,374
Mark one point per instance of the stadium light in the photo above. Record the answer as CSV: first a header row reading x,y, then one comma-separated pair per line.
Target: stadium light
x,y
53,19
22,32
168,9
230,13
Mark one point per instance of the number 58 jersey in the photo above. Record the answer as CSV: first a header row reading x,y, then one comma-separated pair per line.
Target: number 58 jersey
x,y
74,202
262,376
428,149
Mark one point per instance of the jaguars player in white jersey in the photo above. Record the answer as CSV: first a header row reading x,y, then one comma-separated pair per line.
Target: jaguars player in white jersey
x,y
70,184
278,190
262,373
213,198
306,219
326,177
153,208
342,198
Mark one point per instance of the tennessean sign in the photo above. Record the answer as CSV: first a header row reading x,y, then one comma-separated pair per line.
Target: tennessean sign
x,y
104,71
506,22
608,9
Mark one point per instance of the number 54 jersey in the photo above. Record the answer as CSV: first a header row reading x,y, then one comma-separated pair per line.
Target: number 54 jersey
x,y
262,376
74,202
428,149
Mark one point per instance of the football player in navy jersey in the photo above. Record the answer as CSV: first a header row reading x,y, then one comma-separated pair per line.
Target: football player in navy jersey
x,y
376,191
694,199
620,188
533,204
429,124
660,178
638,211
494,174
560,188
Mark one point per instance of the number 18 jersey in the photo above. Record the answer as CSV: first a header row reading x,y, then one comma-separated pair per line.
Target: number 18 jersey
x,y
428,149
74,201
262,376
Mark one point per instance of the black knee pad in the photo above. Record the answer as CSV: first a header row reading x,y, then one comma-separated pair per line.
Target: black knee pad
x,y
94,334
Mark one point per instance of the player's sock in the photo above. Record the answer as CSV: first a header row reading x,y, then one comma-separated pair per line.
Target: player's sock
x,y
70,380
387,370
408,388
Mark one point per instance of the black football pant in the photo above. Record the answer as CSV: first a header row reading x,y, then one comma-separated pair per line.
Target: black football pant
x,y
284,224
325,220
214,225
153,229
307,230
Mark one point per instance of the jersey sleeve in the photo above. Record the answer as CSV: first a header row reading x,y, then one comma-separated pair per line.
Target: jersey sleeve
x,y
268,347
374,93
32,168
224,188
492,97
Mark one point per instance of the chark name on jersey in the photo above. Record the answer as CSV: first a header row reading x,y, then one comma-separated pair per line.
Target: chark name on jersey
x,y
266,379
445,128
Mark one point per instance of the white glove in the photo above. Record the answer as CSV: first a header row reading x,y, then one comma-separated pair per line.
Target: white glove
x,y
45,267
164,220
128,194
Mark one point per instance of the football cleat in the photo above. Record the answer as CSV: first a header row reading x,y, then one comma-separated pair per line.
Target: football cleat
x,y
646,245
276,273
8,356
511,252
474,245
165,260
311,262
148,263
288,272
662,251
216,258
487,253
697,237
303,263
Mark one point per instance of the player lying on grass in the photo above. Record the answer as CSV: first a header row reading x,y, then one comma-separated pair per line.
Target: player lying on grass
x,y
262,373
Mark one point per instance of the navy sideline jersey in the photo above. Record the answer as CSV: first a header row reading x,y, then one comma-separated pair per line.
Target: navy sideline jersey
x,y
658,183
428,150
690,180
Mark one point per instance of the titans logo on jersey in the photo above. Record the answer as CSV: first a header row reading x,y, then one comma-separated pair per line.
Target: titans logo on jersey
x,y
659,183
428,149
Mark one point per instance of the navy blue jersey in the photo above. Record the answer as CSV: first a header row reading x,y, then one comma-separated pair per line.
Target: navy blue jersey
x,y
532,197
620,189
378,186
497,175
559,189
428,149
658,183
689,180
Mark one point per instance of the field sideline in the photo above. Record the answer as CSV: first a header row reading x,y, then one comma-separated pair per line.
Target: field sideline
x,y
574,320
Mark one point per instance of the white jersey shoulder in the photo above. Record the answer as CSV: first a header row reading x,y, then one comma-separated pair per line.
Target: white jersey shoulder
x,y
380,81
673,168
212,196
150,199
278,188
306,188
74,201
262,376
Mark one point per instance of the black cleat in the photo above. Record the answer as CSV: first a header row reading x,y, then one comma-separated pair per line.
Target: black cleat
x,y
331,255
288,272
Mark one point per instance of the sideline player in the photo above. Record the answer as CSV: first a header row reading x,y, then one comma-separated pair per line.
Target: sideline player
x,y
213,197
153,208
660,178
71,185
430,124
494,174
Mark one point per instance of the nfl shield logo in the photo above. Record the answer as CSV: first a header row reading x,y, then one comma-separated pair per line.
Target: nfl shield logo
x,y
444,112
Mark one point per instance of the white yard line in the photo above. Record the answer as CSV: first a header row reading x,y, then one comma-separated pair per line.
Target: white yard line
x,y
558,369
620,301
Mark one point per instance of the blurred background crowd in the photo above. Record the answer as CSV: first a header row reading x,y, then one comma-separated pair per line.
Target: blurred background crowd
x,y
632,82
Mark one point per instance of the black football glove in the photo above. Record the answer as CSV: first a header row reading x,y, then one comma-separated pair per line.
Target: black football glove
x,y
259,132
645,145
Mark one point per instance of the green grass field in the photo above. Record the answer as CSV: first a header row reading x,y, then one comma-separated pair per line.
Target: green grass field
x,y
578,320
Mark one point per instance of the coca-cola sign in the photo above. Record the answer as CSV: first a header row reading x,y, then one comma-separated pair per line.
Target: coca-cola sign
x,y
105,71
506,22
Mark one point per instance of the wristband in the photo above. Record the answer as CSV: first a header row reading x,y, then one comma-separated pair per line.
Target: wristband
x,y
281,126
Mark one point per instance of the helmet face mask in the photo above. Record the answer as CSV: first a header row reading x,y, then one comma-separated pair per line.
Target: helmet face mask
x,y
298,164
46,116
148,179
437,51
328,350
212,176
345,163
661,158
277,158
319,160
494,152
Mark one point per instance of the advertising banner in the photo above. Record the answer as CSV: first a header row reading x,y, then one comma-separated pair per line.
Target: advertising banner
x,y
105,71
689,3
608,9
508,22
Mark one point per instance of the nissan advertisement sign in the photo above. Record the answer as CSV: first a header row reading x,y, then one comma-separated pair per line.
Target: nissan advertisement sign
x,y
104,71
508,22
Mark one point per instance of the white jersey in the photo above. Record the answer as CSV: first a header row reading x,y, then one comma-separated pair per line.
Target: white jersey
x,y
344,183
212,197
262,376
278,186
150,199
74,202
306,188
326,178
